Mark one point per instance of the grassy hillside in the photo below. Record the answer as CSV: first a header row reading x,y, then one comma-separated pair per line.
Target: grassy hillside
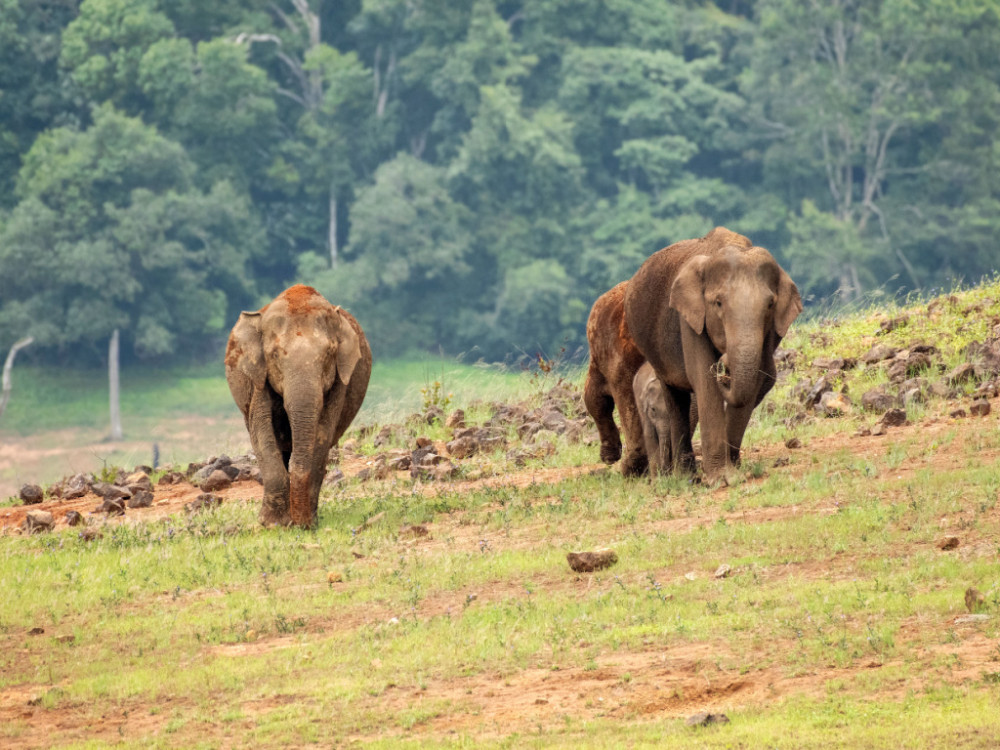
x,y
818,599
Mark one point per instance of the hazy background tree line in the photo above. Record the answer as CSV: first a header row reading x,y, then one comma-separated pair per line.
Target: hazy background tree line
x,y
469,175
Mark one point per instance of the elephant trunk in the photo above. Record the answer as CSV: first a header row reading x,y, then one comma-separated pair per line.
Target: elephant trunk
x,y
738,372
303,403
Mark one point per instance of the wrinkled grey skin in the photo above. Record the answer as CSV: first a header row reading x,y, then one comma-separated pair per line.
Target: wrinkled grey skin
x,y
707,314
652,405
298,369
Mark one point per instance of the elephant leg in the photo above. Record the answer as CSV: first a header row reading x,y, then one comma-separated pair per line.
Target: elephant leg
x,y
680,430
600,405
636,461
273,471
326,435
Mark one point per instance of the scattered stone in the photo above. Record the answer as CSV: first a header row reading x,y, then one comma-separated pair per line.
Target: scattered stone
x,y
793,443
588,562
958,413
723,571
334,576
217,480
886,326
912,396
401,462
949,542
455,420
877,400
205,501
433,414
36,631
37,521
980,407
138,480
349,446
73,518
414,531
894,418
31,494
975,600
878,429
141,499
112,507
940,389
463,447
65,638
424,442
835,363
171,477
704,719
89,534
961,374
333,476
384,437
878,353
691,576
815,393
834,404
968,619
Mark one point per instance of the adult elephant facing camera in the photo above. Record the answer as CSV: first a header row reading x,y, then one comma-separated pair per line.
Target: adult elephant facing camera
x,y
298,369
707,314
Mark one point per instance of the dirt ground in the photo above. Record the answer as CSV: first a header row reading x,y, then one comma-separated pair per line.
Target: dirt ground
x,y
679,680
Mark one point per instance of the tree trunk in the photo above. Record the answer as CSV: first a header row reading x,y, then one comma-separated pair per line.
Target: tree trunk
x,y
113,387
7,367
334,252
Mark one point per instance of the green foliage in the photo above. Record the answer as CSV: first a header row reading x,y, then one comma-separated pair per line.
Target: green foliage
x,y
471,176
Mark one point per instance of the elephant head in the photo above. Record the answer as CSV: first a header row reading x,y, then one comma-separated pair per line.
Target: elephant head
x,y
738,298
298,355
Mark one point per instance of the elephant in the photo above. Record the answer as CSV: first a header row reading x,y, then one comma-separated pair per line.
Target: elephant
x,y
651,403
707,314
298,369
614,360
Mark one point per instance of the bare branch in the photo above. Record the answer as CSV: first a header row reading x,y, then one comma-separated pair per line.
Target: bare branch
x,y
7,367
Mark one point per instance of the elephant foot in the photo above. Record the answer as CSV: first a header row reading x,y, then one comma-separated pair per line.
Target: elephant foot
x,y
270,516
611,452
635,465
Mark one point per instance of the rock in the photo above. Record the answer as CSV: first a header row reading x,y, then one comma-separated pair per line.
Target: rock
x,y
835,363
334,576
76,486
912,396
704,719
138,481
37,521
384,437
65,638
400,463
555,421
455,420
939,389
31,494
111,491
36,631
588,562
73,518
961,374
723,571
113,507
893,323
793,443
415,531
877,400
141,499
349,446
89,534
878,353
958,413
424,442
433,414
894,418
205,501
217,480
980,407
815,393
878,429
333,477
975,600
527,429
834,404
968,619
463,447
171,477
947,543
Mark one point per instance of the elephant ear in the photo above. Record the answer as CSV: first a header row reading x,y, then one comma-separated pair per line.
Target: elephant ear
x,y
788,305
245,351
348,346
687,294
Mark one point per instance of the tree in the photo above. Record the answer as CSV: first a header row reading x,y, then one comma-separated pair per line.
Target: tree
x,y
111,235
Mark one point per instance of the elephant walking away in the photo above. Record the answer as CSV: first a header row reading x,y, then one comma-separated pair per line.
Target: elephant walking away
x,y
614,360
707,314
298,369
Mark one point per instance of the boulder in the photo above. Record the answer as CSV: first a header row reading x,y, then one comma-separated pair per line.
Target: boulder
x,y
894,418
980,407
141,499
217,480
877,400
878,353
31,494
38,521
588,562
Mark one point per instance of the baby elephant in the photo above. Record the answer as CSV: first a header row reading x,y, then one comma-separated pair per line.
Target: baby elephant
x,y
298,369
652,406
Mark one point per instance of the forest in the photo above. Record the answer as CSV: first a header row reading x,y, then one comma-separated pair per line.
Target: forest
x,y
467,176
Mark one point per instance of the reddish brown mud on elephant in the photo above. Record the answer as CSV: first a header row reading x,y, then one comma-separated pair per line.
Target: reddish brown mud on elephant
x,y
614,360
708,314
298,369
